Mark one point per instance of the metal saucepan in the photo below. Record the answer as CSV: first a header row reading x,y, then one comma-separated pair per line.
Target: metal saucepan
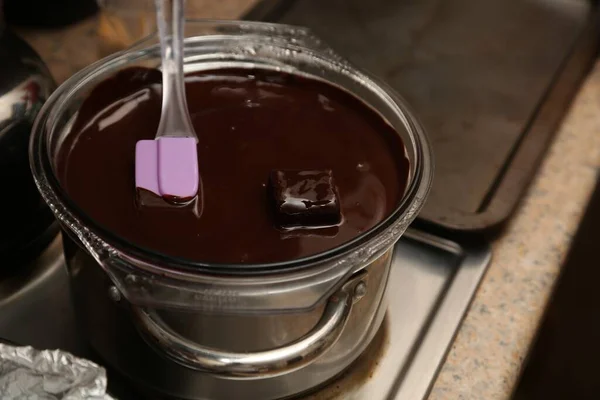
x,y
199,331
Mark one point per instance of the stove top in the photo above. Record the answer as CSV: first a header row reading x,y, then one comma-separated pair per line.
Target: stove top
x,y
431,285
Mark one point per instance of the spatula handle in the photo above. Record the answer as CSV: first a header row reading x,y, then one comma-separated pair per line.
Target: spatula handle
x,y
175,120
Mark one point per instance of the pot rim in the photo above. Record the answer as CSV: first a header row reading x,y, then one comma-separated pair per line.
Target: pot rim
x,y
157,262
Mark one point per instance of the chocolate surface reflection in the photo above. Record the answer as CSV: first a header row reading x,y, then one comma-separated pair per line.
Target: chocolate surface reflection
x,y
249,123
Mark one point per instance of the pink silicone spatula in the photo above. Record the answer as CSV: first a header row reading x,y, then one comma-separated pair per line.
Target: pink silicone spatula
x,y
168,165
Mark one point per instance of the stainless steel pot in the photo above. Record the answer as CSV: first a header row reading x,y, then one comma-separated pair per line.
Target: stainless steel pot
x,y
228,356
208,331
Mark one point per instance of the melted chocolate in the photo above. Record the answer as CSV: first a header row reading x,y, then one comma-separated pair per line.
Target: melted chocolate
x,y
249,122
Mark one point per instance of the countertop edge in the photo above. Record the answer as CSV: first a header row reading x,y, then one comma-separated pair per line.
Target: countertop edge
x,y
487,355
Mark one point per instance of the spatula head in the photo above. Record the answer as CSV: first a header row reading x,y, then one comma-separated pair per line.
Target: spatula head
x,y
177,167
146,166
168,167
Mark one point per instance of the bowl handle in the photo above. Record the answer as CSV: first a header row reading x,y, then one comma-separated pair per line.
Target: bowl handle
x,y
260,364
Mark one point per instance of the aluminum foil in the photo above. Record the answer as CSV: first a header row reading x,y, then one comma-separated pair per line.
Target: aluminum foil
x,y
30,374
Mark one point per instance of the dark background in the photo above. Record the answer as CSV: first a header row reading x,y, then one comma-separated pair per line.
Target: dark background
x,y
563,363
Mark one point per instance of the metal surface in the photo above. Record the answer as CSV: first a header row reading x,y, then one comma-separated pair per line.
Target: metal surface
x,y
35,304
261,364
25,373
489,79
430,288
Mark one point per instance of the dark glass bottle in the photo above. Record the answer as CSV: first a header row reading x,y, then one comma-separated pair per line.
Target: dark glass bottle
x,y
25,83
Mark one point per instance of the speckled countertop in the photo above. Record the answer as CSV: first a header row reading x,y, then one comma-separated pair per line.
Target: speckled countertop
x,y
487,355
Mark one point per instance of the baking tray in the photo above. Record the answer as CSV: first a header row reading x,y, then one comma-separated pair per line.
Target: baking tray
x,y
431,285
490,80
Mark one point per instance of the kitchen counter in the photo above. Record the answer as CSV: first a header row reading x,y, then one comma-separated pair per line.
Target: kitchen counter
x,y
487,355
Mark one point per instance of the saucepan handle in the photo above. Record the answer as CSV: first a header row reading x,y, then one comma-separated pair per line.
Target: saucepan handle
x,y
260,364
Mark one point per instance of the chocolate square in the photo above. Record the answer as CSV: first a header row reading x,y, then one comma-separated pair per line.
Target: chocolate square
x,y
306,199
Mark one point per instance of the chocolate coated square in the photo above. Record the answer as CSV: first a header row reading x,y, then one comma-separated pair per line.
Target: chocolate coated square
x,y
305,199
